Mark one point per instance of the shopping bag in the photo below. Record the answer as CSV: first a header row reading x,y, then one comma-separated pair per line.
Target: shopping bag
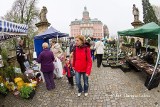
x,y
34,55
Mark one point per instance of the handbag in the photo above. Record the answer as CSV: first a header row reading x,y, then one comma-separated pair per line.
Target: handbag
x,y
72,71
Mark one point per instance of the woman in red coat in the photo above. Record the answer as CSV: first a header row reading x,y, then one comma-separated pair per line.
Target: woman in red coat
x,y
82,63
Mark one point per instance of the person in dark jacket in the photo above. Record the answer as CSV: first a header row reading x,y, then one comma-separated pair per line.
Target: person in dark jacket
x,y
20,55
46,59
138,47
82,64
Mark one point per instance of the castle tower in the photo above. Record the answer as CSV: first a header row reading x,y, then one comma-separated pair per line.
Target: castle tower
x,y
85,14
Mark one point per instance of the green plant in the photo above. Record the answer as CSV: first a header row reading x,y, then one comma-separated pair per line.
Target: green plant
x,y
3,89
132,41
9,72
25,91
4,54
125,39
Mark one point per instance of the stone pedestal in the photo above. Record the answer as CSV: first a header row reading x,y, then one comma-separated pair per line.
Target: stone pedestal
x,y
42,26
136,24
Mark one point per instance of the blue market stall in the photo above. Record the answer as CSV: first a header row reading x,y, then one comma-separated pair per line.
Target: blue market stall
x,y
44,37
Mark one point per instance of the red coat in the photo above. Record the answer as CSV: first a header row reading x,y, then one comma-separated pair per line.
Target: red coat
x,y
66,69
82,61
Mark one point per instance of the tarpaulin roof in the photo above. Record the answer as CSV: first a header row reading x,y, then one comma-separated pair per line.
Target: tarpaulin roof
x,y
150,30
51,33
6,26
10,29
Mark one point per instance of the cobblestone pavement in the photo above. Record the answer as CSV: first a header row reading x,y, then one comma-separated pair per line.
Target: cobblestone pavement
x,y
108,88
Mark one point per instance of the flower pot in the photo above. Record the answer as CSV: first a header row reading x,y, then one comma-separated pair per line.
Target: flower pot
x,y
104,58
125,69
3,94
31,95
114,66
105,64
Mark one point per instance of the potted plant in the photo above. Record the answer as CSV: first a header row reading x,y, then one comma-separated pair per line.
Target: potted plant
x,y
10,73
27,92
115,65
105,64
3,90
125,68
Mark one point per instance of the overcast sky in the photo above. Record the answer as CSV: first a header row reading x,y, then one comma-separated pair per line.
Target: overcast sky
x,y
116,14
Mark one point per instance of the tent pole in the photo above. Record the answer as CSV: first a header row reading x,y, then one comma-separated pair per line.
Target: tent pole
x,y
57,38
156,61
117,47
146,42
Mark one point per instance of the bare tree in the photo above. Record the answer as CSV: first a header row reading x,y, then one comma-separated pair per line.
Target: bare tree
x,y
25,12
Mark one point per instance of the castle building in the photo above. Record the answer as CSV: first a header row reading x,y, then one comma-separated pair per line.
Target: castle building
x,y
87,26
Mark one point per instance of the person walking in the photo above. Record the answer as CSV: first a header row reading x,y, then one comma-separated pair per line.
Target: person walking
x,y
82,63
46,59
59,57
92,43
99,46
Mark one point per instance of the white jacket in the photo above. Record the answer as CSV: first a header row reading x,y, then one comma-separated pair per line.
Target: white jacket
x,y
99,46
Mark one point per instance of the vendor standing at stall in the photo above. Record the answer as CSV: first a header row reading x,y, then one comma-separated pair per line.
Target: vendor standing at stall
x,y
138,47
20,55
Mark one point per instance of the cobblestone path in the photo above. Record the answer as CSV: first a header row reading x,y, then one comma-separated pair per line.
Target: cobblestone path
x,y
108,88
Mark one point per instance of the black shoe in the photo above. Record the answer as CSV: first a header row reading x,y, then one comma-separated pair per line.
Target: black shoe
x,y
72,86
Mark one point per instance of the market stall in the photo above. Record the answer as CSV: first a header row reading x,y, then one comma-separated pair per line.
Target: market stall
x,y
10,30
11,78
150,31
44,37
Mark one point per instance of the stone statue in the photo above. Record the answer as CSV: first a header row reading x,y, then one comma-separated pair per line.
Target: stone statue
x,y
135,13
42,14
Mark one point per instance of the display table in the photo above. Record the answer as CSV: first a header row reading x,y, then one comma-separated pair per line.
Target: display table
x,y
141,65
146,68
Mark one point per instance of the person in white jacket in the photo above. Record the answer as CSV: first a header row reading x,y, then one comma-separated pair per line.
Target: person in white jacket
x,y
58,53
99,46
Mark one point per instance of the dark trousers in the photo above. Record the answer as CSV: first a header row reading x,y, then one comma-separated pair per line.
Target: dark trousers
x,y
21,63
92,54
78,82
138,51
70,80
99,59
48,76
